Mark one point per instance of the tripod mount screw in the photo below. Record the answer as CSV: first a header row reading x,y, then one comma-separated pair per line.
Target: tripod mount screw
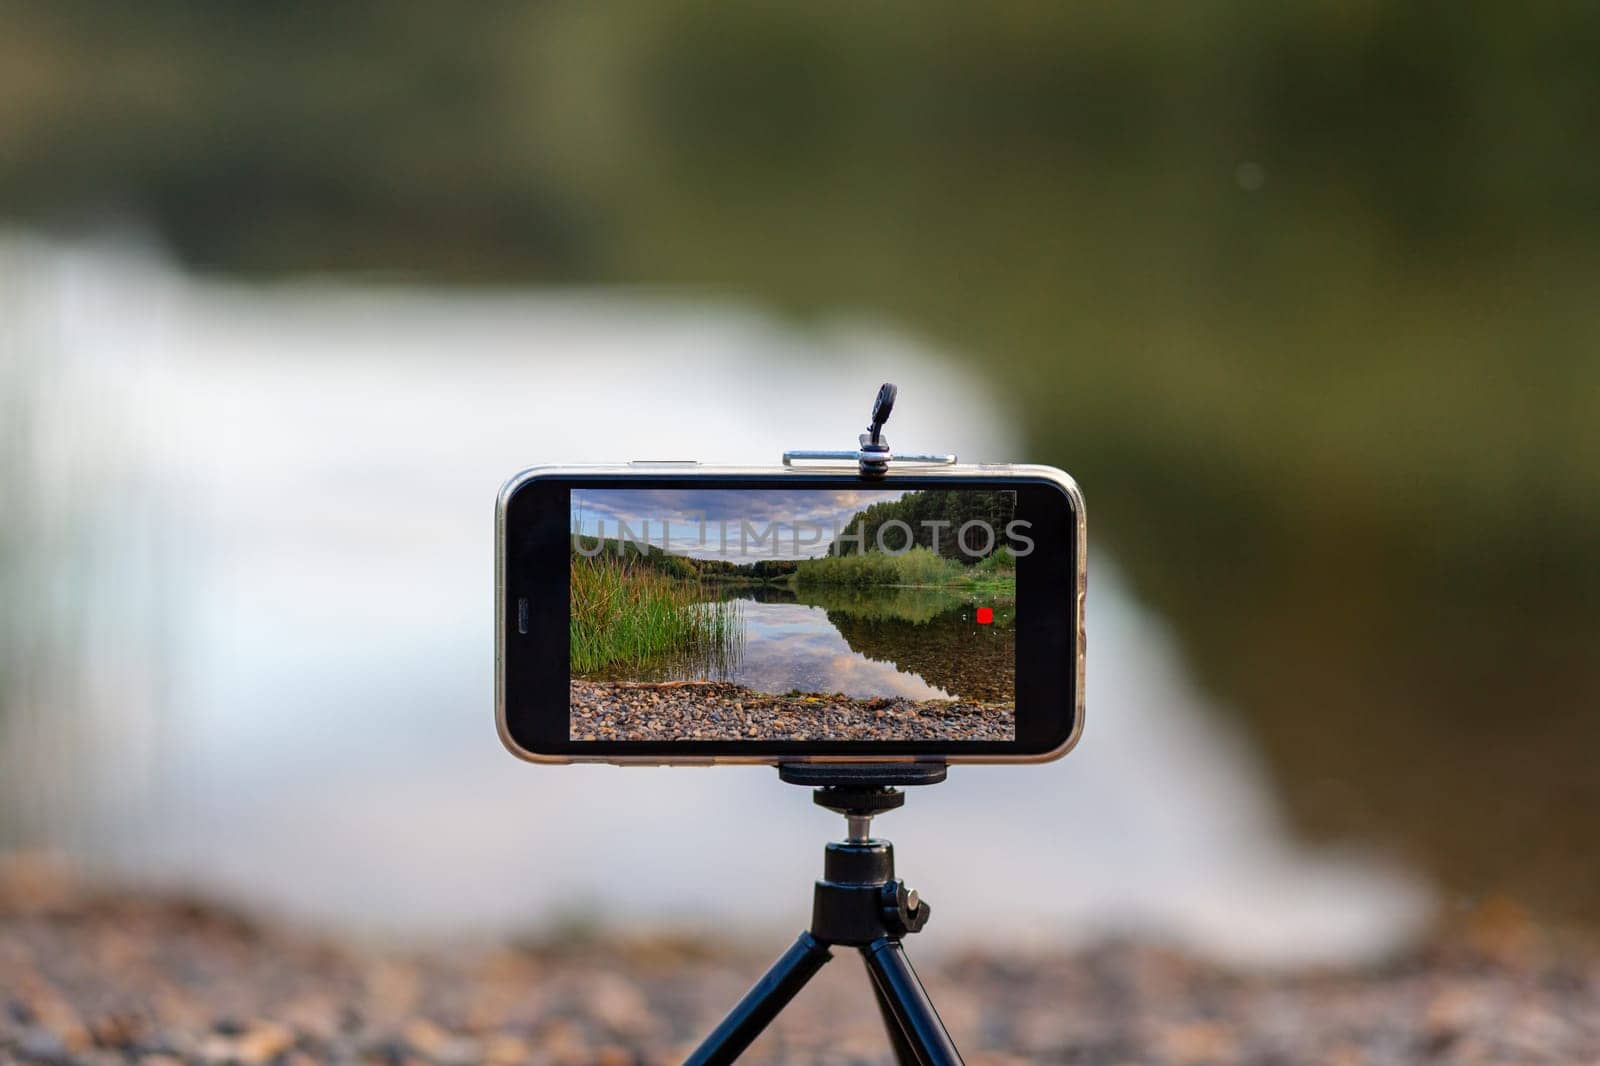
x,y
858,805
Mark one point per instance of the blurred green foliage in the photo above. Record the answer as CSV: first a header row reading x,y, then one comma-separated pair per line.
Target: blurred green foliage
x,y
1306,294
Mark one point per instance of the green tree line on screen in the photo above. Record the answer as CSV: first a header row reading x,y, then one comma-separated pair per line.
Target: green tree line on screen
x,y
935,518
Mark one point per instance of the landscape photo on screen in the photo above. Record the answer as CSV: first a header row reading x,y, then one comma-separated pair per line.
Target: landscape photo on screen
x,y
794,614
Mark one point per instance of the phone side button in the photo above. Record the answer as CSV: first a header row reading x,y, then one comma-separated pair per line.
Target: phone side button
x,y
663,462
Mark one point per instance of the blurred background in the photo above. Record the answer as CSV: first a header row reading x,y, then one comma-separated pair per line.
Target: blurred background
x,y
1307,297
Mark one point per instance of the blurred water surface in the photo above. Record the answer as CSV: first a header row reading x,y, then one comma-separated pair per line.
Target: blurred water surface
x,y
247,617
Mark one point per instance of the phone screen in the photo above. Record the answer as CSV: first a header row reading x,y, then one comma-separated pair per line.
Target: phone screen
x,y
788,614
796,614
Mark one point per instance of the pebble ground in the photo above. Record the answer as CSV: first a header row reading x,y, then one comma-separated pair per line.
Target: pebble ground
x,y
112,978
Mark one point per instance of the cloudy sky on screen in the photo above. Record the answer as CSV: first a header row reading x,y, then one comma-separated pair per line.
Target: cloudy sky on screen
x,y
678,510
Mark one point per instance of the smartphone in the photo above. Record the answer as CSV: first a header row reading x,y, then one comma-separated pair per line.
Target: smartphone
x,y
695,615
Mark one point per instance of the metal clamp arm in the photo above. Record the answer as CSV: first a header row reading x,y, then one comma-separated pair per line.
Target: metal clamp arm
x,y
873,455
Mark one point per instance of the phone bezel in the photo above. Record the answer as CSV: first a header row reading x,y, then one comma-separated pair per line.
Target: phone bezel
x,y
662,753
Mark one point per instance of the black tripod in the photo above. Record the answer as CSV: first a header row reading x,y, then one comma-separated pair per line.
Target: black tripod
x,y
858,903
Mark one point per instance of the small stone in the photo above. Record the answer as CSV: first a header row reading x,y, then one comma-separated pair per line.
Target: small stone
x,y
39,1045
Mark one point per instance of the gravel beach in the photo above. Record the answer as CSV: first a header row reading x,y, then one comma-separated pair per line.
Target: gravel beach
x,y
102,978
719,710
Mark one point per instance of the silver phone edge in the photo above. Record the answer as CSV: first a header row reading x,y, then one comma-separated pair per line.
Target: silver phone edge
x,y
1061,478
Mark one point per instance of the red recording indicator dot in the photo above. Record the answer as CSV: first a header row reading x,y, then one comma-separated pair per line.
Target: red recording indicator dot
x,y
985,616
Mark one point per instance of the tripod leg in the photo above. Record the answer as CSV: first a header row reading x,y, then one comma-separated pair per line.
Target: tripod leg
x,y
903,1053
902,994
762,1003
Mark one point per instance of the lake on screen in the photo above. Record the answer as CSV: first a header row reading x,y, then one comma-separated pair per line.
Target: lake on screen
x,y
915,642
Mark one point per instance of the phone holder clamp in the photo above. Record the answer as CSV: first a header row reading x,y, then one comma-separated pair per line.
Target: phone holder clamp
x,y
873,454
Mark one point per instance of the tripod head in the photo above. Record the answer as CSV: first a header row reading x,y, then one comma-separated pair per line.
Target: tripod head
x,y
860,791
